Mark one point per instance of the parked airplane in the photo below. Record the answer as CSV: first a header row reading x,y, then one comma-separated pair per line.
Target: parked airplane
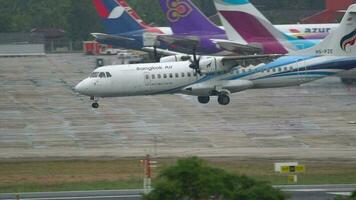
x,y
221,76
242,21
126,29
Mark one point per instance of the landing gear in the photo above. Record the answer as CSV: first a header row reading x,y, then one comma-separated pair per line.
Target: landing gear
x,y
203,99
95,105
223,99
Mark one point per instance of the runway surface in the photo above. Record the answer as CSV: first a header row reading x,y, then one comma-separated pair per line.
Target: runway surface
x,y
297,192
42,117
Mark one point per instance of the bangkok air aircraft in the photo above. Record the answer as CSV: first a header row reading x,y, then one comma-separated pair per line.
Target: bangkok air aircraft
x,y
206,76
190,28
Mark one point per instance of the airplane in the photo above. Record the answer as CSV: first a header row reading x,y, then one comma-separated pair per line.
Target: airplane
x,y
208,76
126,29
242,21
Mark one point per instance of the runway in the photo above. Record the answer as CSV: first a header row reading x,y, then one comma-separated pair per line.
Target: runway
x,y
297,192
41,117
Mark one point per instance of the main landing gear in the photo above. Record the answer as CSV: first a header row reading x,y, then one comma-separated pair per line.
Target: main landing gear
x,y
223,99
95,105
204,99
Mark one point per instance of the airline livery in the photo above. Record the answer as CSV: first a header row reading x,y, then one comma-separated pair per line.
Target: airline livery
x,y
208,76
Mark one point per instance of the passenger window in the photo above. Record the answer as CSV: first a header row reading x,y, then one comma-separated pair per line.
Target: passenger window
x,y
147,76
164,75
108,75
189,74
177,75
291,68
274,69
183,74
243,70
102,75
280,69
159,76
153,76
286,69
170,75
195,74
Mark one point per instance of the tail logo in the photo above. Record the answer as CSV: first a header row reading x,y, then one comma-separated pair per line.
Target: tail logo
x,y
177,10
348,40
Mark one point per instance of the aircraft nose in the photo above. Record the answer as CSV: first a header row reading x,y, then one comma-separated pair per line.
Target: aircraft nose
x,y
81,87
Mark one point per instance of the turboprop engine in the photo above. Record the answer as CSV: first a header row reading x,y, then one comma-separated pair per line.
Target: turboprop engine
x,y
174,58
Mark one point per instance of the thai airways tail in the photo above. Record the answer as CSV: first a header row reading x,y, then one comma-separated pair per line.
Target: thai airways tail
x,y
245,24
185,18
340,42
118,17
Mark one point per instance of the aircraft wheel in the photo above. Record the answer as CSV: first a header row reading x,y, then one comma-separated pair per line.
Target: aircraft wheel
x,y
95,105
223,99
204,99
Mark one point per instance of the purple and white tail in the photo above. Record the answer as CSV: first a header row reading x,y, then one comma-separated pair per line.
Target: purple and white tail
x,y
185,18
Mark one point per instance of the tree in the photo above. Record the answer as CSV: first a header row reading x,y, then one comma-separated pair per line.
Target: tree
x,y
193,179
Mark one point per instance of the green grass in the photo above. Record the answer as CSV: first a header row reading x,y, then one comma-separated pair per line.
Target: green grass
x,y
41,176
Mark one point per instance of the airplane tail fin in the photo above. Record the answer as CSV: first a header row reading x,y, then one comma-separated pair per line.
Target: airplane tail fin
x,y
185,18
118,17
244,23
341,41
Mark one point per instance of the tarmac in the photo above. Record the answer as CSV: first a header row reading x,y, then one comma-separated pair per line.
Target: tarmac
x,y
42,117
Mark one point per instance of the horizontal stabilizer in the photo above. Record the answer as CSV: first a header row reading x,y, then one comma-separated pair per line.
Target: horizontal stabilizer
x,y
185,42
103,36
238,48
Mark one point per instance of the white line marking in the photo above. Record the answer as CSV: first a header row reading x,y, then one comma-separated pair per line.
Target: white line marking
x,y
89,197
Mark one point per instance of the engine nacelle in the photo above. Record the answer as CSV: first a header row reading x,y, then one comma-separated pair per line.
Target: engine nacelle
x,y
212,65
175,58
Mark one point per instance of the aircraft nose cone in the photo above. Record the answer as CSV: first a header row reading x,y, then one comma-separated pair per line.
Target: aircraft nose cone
x,y
80,87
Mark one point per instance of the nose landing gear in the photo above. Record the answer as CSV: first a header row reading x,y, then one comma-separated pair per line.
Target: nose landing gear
x,y
94,105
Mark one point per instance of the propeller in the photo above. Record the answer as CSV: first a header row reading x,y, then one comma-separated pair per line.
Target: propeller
x,y
195,63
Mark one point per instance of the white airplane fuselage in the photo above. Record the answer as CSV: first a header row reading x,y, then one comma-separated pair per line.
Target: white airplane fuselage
x,y
178,77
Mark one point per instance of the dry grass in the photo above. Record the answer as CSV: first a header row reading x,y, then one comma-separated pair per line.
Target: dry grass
x,y
117,174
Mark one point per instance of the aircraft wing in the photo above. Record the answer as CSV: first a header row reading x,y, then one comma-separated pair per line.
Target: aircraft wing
x,y
103,36
241,49
245,61
162,52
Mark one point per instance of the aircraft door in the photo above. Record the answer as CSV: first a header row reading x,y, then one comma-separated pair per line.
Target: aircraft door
x,y
302,71
147,79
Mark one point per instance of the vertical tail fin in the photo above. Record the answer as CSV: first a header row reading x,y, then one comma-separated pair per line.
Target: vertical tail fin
x,y
185,18
118,17
340,42
244,23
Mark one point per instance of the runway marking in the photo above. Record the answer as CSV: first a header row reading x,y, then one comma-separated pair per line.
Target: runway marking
x,y
89,197
341,193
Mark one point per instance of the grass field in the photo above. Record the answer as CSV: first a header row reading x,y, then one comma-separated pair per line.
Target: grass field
x,y
34,176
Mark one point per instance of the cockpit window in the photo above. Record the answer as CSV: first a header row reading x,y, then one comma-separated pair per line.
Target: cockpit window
x,y
94,74
102,75
108,75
